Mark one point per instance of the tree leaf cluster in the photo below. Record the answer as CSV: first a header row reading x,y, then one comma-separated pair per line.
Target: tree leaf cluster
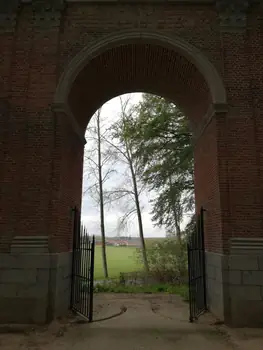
x,y
160,135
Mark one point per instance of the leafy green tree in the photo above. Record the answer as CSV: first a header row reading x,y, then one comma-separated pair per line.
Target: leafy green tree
x,y
160,133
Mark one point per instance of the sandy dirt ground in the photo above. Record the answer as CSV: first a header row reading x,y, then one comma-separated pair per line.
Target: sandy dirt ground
x,y
132,322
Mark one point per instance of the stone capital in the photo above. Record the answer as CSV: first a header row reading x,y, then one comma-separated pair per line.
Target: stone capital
x,y
233,14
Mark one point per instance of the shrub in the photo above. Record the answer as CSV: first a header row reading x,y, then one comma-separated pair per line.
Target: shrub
x,y
168,261
115,287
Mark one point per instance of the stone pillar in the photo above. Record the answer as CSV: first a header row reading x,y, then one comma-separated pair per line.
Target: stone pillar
x,y
235,270
235,283
41,169
35,258
35,269
34,284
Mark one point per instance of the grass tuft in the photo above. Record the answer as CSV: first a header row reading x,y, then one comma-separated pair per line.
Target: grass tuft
x,y
181,290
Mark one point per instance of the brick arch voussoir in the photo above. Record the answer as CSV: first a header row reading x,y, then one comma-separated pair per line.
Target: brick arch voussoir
x,y
179,45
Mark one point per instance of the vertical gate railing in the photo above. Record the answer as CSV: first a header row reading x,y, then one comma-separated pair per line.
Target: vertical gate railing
x,y
82,269
196,269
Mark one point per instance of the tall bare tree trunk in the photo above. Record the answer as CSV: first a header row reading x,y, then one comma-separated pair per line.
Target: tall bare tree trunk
x,y
138,211
102,221
176,223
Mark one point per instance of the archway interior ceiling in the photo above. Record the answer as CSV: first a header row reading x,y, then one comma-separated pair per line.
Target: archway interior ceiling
x,y
139,67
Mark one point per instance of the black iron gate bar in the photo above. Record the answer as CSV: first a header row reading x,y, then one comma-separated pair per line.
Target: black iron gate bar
x,y
82,269
196,269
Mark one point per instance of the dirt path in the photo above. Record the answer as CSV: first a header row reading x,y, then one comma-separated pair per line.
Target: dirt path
x,y
147,322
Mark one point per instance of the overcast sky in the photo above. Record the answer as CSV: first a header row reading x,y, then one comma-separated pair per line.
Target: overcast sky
x,y
90,209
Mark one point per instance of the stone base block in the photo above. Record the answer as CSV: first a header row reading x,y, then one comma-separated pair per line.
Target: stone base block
x,y
34,288
235,288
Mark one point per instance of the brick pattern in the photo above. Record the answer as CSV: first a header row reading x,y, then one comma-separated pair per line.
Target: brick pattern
x,y
42,157
177,77
207,192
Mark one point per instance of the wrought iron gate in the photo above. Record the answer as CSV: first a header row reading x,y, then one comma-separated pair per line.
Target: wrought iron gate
x,y
82,269
196,269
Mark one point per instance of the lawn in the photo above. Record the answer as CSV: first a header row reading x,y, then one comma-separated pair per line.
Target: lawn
x,y
120,259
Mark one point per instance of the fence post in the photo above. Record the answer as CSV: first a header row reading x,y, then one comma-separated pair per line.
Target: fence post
x,y
73,264
204,258
92,279
197,269
189,281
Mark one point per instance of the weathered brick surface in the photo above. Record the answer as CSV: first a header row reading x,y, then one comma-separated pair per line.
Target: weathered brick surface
x,y
41,156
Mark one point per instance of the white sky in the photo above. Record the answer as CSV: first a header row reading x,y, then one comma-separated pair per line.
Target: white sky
x,y
90,209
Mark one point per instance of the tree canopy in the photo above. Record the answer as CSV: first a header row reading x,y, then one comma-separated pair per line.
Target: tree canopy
x,y
160,134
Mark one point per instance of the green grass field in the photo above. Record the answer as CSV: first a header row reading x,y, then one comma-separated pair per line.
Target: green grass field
x,y
123,259
120,259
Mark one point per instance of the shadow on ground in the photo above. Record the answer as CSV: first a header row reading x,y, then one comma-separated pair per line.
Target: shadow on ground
x,y
133,322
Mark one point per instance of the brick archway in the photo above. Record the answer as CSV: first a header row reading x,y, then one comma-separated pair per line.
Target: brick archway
x,y
175,62
177,44
133,61
207,50
145,61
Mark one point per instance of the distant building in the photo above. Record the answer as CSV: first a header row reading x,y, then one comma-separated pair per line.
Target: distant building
x,y
120,241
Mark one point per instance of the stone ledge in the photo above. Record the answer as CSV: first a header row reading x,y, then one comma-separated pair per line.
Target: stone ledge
x,y
29,244
246,246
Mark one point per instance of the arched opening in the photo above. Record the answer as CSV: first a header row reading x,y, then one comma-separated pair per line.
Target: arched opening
x,y
153,63
142,62
115,195
135,61
140,67
138,185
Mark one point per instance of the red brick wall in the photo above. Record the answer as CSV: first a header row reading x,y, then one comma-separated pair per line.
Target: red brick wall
x,y
27,171
240,133
41,156
207,186
67,168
